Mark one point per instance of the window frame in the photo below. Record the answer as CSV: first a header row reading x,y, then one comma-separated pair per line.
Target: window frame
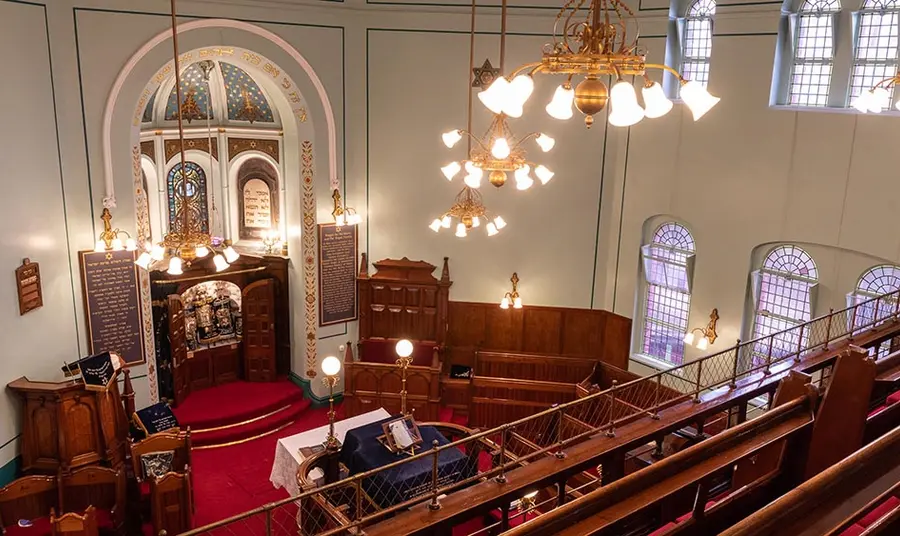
x,y
796,29
683,25
892,65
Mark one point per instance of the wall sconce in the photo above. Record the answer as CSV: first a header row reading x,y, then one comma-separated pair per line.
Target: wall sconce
x,y
343,215
708,334
109,238
331,366
272,241
404,350
512,296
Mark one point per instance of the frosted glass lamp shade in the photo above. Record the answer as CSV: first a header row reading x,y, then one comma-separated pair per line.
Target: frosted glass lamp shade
x,y
624,108
881,99
545,141
500,149
520,89
524,183
543,174
331,366
130,244
220,262
445,222
491,229
703,344
495,96
339,220
473,180
698,99
99,246
157,252
451,138
461,230
517,303
499,222
504,303
656,104
144,260
561,105
202,251
435,225
475,221
450,170
230,254
117,244
404,348
175,266
689,338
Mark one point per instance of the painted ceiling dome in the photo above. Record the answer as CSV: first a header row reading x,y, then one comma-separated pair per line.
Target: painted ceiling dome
x,y
216,90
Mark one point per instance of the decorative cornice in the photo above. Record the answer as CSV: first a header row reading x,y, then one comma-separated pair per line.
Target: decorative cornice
x,y
237,146
198,144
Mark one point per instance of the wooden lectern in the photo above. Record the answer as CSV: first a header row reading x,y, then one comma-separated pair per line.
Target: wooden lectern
x,y
65,425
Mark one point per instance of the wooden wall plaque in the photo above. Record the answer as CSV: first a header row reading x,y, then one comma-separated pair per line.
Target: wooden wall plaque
x,y
111,287
28,286
337,273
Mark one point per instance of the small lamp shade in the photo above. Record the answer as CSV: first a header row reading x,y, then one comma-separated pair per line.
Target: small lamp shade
x,y
100,246
230,254
404,348
202,251
561,105
504,303
144,260
689,338
175,266
517,303
331,366
220,262
703,344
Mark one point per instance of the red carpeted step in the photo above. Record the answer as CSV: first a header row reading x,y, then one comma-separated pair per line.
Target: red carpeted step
x,y
235,402
269,423
445,414
461,420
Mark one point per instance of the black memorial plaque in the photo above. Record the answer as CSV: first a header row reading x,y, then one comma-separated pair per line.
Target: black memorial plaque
x,y
112,304
97,371
337,274
156,418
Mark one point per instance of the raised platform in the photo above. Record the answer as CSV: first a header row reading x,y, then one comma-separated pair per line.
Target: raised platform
x,y
239,411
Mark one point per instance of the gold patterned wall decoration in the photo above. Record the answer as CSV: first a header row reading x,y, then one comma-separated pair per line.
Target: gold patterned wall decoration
x,y
310,249
148,149
237,146
172,147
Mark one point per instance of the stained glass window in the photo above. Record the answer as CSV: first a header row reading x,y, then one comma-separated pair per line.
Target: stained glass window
x,y
667,303
194,96
148,110
783,290
877,281
697,43
813,53
193,190
878,32
246,101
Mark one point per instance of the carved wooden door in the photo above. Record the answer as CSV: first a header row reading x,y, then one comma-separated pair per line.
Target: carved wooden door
x,y
259,331
181,381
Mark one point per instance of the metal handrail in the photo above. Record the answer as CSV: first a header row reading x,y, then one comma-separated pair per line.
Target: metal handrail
x,y
840,332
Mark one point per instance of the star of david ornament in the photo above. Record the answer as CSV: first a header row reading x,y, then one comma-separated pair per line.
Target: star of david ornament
x,y
484,75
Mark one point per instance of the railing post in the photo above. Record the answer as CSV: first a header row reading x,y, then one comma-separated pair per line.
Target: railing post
x,y
434,504
560,454
611,432
769,355
896,304
737,357
875,314
501,478
699,379
655,414
852,322
799,344
359,499
828,328
268,522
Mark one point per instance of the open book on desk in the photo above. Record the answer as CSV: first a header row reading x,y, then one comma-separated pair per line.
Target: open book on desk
x,y
401,435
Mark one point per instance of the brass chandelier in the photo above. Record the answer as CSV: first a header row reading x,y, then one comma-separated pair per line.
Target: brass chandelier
x,y
498,151
187,240
469,211
603,43
878,98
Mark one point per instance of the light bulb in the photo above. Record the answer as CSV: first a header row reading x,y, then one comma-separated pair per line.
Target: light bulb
x,y
435,225
472,181
144,260
881,99
513,109
117,244
157,252
175,266
130,244
517,303
451,138
331,365
450,170
543,174
99,246
861,103
520,88
404,348
445,222
498,221
475,221
461,230
500,149
355,219
220,262
523,180
656,104
561,105
624,108
339,220
703,344
496,95
697,99
492,229
504,303
202,251
545,141
689,338
230,254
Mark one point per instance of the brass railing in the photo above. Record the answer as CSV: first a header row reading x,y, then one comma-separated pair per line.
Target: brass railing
x,y
550,431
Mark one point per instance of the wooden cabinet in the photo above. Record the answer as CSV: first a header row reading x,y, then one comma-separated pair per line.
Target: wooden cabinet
x,y
67,426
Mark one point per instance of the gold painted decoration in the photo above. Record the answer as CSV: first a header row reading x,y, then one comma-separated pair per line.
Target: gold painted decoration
x,y
148,149
237,146
309,238
173,147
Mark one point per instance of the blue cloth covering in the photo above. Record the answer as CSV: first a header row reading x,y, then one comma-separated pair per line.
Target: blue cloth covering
x,y
362,452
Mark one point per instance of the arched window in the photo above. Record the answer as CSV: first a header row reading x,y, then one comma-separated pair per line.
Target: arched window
x,y
697,43
877,33
668,272
813,53
194,190
784,293
875,282
257,183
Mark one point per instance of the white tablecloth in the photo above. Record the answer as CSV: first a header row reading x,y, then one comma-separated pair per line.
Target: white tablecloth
x,y
287,451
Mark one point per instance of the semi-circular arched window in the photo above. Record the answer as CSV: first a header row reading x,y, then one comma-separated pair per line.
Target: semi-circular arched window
x,y
874,282
813,53
876,50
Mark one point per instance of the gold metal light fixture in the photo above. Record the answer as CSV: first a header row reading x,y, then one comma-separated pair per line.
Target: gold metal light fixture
x,y
512,296
708,334
331,366
878,98
469,211
109,239
343,215
404,349
595,43
188,239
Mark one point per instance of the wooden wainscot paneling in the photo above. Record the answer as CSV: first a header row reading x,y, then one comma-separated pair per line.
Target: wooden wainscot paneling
x,y
542,330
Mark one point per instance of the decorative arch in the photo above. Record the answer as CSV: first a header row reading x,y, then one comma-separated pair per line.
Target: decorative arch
x,y
257,184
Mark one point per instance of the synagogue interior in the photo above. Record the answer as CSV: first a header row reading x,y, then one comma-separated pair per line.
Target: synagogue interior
x,y
625,270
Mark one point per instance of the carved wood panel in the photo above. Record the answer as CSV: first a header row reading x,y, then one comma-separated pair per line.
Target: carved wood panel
x,y
542,330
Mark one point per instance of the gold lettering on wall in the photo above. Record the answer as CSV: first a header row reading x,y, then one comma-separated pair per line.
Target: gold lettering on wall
x,y
257,204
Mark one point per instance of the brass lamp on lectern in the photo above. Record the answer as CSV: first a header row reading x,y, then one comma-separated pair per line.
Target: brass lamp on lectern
x,y
404,350
331,366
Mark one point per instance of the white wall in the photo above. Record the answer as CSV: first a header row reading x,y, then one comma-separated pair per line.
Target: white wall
x,y
744,176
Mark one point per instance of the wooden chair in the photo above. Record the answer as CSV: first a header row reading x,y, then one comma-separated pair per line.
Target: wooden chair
x,y
102,488
30,498
73,524
171,503
179,442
